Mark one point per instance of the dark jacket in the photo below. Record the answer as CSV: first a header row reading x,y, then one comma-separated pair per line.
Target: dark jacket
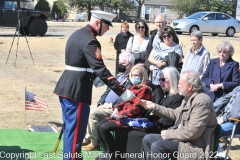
x,y
228,75
84,50
169,102
121,41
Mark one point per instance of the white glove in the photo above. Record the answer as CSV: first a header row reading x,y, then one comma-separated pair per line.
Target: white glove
x,y
127,95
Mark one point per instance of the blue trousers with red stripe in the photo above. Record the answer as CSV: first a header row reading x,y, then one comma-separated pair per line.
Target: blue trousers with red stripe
x,y
75,118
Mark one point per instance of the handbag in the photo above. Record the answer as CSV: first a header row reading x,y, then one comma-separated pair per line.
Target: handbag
x,y
137,122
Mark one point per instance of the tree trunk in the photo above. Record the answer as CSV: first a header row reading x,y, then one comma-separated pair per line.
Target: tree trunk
x,y
234,8
89,8
139,11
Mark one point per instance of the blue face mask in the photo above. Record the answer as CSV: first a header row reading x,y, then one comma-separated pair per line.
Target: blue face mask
x,y
136,80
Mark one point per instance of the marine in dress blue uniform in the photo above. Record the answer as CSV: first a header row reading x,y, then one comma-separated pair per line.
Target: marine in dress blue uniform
x,y
84,62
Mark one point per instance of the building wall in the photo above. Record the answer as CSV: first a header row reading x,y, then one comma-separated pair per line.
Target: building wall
x,y
238,9
155,10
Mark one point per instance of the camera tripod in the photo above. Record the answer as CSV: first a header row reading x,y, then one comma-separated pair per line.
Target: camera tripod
x,y
19,26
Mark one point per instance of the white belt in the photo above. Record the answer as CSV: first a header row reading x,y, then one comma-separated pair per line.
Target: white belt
x,y
78,69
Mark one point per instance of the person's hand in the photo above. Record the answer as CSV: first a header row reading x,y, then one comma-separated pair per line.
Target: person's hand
x,y
161,64
163,134
115,114
212,88
105,106
215,87
220,120
127,95
115,111
151,67
147,104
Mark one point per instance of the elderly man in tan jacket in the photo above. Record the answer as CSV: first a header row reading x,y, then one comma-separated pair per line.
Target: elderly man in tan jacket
x,y
192,136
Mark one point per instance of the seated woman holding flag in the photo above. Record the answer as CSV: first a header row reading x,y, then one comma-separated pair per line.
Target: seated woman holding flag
x,y
130,140
142,88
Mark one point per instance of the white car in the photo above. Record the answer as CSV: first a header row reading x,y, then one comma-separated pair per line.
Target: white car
x,y
208,22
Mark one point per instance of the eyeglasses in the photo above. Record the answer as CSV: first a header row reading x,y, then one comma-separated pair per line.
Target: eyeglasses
x,y
140,27
158,22
224,52
163,79
167,36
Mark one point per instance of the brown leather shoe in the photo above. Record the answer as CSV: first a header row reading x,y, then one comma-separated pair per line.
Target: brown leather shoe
x,y
90,147
86,142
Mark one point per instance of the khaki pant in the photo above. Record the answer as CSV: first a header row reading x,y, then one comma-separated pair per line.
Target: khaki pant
x,y
96,115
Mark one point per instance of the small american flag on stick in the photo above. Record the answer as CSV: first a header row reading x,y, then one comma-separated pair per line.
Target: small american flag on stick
x,y
33,102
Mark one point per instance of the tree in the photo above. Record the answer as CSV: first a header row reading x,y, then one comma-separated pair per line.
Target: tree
x,y
187,7
108,5
118,6
42,5
139,7
234,8
82,5
59,8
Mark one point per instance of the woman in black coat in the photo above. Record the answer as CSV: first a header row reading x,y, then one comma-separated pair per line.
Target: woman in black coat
x,y
130,140
121,42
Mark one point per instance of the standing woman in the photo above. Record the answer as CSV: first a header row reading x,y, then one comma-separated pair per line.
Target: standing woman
x,y
138,44
168,53
198,56
221,75
121,42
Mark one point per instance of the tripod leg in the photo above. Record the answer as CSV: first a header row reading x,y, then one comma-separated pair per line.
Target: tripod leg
x,y
28,44
12,44
17,42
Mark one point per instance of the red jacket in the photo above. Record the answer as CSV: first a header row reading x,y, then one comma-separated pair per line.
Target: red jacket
x,y
133,108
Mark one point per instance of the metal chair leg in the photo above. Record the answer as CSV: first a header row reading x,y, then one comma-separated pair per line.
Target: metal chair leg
x,y
229,145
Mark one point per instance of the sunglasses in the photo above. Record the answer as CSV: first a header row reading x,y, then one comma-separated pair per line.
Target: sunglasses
x,y
140,27
167,36
162,79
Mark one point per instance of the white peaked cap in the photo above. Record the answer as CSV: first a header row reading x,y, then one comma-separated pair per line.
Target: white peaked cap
x,y
104,16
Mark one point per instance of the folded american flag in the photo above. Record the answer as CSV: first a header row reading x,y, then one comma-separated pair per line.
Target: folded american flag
x,y
33,102
137,122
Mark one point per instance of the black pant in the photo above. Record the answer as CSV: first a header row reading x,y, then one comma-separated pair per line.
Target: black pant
x,y
154,147
158,94
128,141
104,136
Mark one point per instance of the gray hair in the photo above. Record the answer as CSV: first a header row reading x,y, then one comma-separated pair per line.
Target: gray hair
x,y
192,77
162,16
173,77
197,34
226,45
129,57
